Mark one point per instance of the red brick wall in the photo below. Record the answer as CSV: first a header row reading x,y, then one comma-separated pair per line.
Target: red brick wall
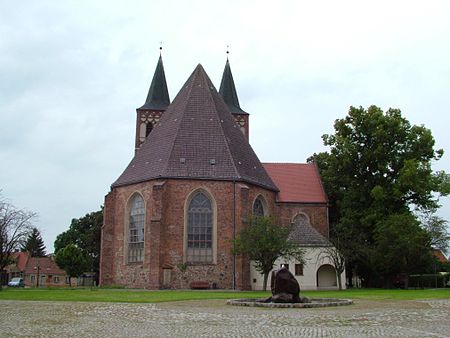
x,y
317,213
164,234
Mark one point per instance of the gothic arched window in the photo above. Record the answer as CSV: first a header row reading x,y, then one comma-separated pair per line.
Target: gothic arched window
x,y
200,229
258,207
136,229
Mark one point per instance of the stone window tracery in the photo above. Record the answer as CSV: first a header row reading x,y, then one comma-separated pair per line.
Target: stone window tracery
x,y
200,229
136,230
148,119
258,207
301,219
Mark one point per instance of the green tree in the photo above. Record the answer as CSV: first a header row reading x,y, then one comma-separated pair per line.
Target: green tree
x,y
84,232
401,245
437,229
263,242
34,244
378,166
73,260
15,225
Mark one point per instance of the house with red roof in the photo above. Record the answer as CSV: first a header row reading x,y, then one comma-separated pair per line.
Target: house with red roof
x,y
36,271
440,256
193,182
16,269
44,272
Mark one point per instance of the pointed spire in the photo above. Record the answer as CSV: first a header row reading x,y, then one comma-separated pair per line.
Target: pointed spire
x,y
228,90
158,95
196,138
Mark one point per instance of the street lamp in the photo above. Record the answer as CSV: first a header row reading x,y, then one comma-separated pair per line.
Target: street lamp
x,y
37,280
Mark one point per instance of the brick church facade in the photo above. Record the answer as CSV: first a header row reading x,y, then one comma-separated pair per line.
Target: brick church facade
x,y
194,180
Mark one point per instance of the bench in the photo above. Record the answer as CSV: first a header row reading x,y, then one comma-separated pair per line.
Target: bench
x,y
200,284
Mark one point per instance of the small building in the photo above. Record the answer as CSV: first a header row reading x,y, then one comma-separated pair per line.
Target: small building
x,y
301,190
439,255
16,269
43,272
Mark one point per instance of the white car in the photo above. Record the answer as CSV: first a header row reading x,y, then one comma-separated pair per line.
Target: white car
x,y
16,282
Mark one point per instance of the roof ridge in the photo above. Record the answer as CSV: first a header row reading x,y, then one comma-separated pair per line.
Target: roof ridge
x,y
188,87
224,136
303,163
197,128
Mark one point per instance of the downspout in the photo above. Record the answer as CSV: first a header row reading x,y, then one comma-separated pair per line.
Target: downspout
x,y
234,234
328,220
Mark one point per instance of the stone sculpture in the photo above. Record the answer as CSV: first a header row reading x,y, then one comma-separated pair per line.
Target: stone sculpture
x,y
285,288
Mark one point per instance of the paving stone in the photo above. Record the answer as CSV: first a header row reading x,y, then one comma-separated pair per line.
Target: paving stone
x,y
216,319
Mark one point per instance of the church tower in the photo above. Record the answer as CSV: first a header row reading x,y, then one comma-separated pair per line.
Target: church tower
x,y
191,184
156,103
229,95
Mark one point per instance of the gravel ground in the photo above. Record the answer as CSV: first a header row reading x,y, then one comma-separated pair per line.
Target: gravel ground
x,y
429,318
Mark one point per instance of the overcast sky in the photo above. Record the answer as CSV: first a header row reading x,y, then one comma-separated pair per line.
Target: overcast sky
x,y
72,74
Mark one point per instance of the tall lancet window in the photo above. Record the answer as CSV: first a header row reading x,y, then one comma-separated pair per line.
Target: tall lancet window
x,y
136,230
200,229
258,207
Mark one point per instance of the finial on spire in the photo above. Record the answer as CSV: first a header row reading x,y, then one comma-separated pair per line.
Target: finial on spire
x,y
160,47
228,50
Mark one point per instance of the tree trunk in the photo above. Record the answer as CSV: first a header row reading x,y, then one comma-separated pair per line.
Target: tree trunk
x,y
350,276
338,275
266,275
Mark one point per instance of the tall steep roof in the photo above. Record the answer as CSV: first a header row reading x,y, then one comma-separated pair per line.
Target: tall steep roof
x,y
228,91
196,138
298,182
158,95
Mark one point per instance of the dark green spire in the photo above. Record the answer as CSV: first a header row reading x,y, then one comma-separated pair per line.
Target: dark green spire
x,y
228,91
158,95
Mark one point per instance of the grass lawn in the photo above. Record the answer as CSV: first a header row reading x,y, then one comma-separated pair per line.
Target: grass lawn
x,y
143,296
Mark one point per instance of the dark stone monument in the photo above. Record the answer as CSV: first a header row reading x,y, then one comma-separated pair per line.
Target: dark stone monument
x,y
285,288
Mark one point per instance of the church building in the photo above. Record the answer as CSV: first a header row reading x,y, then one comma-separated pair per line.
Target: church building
x,y
194,180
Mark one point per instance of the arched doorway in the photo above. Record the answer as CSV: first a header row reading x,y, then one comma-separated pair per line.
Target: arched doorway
x,y
326,276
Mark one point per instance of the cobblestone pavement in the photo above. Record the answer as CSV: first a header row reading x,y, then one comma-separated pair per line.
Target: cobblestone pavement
x,y
215,319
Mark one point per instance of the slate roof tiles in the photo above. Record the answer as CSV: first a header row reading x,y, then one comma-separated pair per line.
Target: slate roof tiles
x,y
158,94
305,235
196,138
228,91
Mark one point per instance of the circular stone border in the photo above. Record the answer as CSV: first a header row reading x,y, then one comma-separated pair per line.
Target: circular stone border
x,y
315,302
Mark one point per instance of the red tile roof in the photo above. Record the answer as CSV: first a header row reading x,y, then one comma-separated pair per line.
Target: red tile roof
x,y
46,266
440,256
20,260
298,182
